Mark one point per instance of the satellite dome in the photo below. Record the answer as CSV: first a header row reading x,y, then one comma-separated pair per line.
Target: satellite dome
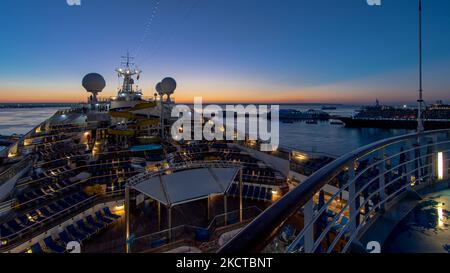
x,y
159,89
168,86
94,83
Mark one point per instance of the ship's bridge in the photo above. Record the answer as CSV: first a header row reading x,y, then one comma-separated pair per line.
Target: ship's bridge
x,y
355,203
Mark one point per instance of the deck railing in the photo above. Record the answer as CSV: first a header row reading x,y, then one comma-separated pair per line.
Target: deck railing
x,y
187,233
368,182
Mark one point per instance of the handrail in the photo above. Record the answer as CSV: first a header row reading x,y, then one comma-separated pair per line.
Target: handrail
x,y
18,237
14,170
260,231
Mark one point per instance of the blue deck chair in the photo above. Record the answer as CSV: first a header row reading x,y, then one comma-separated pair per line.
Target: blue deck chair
x,y
45,212
63,204
250,192
76,234
31,195
244,191
85,228
24,221
269,194
64,237
65,183
109,214
262,195
35,215
103,219
55,208
341,225
69,200
76,197
36,248
202,235
256,192
232,189
5,231
14,226
53,246
94,223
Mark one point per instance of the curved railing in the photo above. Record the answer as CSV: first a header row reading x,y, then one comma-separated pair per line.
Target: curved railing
x,y
39,226
341,201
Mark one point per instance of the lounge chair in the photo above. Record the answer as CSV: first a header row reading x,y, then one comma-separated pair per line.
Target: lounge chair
x,y
80,236
94,223
63,204
36,248
45,212
109,214
53,246
85,228
14,226
71,201
55,208
64,237
5,231
341,225
103,219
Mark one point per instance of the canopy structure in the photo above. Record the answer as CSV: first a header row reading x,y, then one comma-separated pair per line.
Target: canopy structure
x,y
183,186
187,185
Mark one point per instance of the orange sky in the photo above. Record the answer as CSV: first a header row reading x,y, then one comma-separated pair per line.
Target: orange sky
x,y
232,90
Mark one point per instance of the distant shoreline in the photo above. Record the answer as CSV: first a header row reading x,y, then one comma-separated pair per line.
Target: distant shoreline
x,y
34,105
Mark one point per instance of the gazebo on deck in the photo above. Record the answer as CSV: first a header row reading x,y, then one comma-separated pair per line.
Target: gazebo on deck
x,y
183,184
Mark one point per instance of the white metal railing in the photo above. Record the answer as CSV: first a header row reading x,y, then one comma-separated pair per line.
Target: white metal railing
x,y
413,161
373,178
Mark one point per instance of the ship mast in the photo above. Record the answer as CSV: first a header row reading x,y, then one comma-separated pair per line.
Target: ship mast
x,y
420,127
127,71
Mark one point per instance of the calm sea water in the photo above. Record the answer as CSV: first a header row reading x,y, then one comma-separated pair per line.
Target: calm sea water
x,y
323,137
332,139
21,121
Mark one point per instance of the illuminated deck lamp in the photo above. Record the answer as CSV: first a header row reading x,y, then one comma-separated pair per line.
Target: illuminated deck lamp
x,y
440,165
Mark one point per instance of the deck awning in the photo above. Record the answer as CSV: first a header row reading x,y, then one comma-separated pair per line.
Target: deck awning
x,y
187,185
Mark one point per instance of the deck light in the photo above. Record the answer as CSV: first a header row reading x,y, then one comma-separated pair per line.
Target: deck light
x,y
440,166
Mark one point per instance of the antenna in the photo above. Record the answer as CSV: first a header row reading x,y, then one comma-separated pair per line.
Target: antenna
x,y
127,60
420,127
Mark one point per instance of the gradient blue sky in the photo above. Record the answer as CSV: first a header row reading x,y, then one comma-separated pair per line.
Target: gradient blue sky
x,y
228,50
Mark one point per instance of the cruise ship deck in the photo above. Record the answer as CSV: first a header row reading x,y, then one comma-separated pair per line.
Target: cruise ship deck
x,y
108,175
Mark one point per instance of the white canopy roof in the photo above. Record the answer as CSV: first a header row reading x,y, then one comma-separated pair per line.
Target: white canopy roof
x,y
188,185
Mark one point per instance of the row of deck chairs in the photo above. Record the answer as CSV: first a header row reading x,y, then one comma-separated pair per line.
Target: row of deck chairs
x,y
57,171
37,216
59,151
48,191
80,231
254,192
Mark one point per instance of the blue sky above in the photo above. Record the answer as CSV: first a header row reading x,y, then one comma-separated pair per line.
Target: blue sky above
x,y
262,50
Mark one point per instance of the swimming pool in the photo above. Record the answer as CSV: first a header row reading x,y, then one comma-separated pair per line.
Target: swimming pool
x,y
148,147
